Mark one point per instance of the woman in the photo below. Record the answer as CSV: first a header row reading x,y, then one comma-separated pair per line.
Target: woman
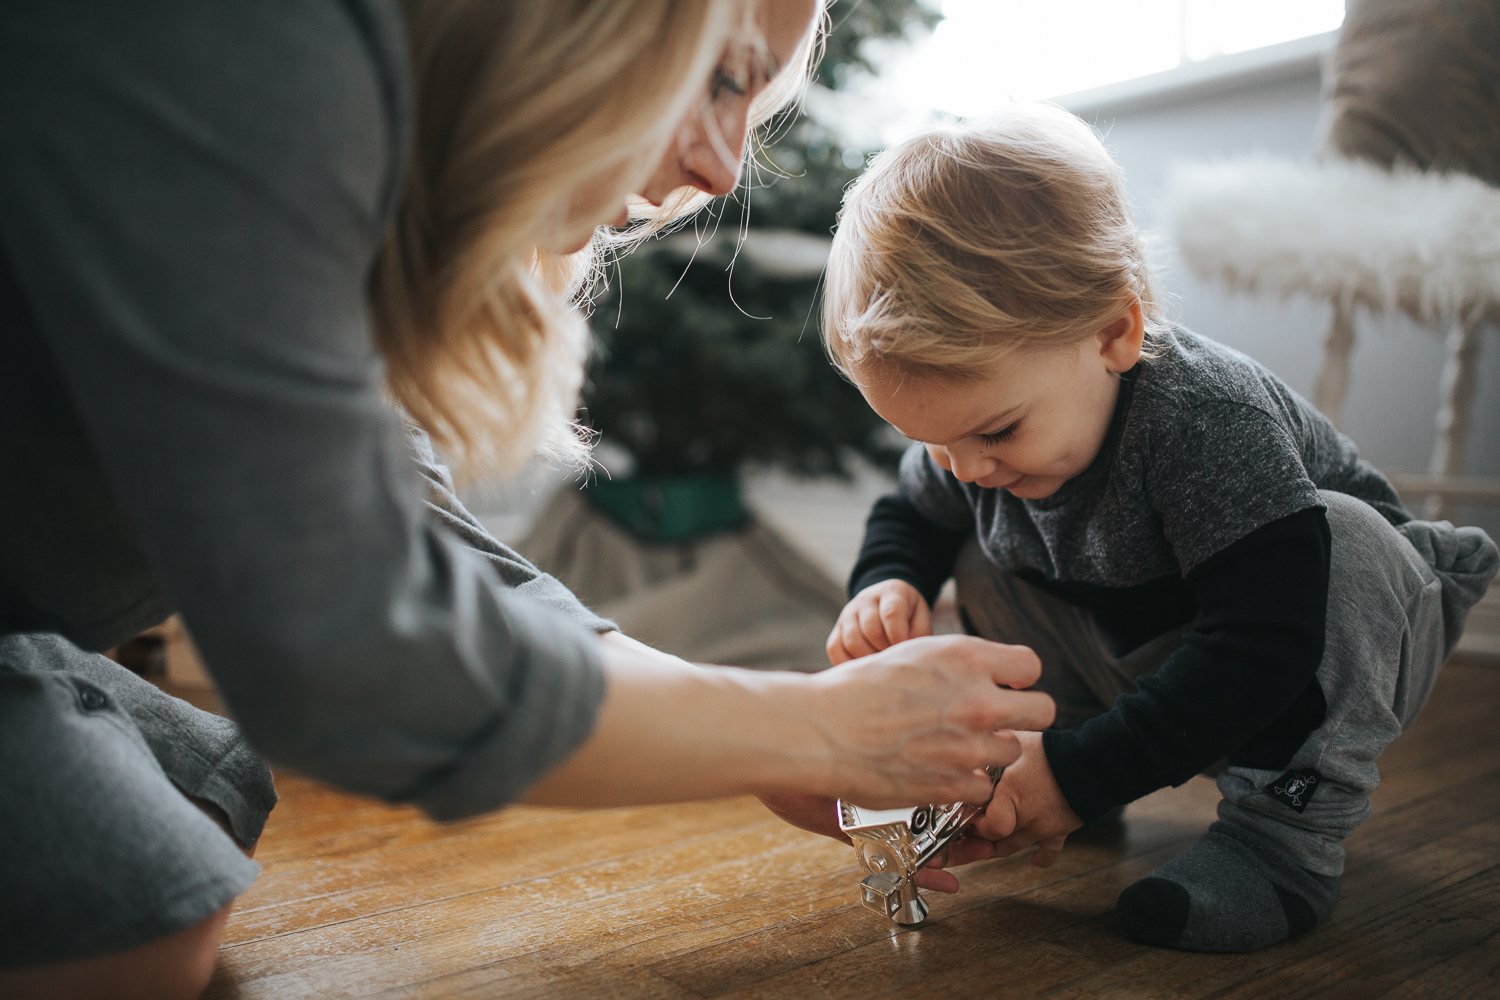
x,y
230,233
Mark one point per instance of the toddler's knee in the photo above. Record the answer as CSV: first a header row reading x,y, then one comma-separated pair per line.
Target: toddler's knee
x,y
1348,514
1368,550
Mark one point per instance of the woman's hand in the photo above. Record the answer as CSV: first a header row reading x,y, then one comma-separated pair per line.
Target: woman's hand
x,y
878,617
1028,808
916,723
814,813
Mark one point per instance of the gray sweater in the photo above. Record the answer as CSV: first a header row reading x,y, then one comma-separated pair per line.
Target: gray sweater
x,y
191,196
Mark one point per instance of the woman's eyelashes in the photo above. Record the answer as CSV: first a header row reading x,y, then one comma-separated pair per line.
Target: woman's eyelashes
x,y
1004,434
754,68
724,82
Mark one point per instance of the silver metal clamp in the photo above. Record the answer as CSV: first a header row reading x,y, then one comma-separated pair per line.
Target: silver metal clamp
x,y
894,844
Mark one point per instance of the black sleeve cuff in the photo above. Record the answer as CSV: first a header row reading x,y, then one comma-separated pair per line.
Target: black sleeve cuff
x,y
1098,766
903,544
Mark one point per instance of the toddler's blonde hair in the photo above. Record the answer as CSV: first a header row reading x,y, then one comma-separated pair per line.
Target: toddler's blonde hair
x,y
972,240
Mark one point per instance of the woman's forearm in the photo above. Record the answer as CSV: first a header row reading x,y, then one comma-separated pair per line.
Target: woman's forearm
x,y
670,731
915,723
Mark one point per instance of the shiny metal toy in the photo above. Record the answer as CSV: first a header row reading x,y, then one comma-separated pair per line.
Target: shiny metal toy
x,y
894,844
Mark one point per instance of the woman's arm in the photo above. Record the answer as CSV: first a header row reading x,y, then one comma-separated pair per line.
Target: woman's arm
x,y
190,199
909,725
514,569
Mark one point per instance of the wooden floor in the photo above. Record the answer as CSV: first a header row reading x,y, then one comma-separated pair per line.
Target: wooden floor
x,y
720,900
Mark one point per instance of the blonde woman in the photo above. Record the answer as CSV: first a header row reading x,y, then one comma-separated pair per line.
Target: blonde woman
x,y
230,235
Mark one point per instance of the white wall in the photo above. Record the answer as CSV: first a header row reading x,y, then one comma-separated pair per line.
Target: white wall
x,y
1390,409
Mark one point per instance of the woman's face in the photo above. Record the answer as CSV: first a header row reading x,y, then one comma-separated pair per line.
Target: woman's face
x,y
710,146
710,143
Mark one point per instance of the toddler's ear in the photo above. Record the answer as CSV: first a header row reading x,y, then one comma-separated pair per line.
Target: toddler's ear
x,y
1121,338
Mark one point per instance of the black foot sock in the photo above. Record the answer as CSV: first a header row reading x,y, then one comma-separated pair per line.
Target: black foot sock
x,y
1234,890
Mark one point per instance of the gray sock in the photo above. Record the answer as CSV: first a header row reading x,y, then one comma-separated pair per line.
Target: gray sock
x,y
1234,890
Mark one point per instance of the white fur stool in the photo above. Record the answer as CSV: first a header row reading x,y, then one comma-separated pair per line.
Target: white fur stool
x,y
1427,245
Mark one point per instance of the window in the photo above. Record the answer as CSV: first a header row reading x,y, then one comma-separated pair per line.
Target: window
x,y
985,51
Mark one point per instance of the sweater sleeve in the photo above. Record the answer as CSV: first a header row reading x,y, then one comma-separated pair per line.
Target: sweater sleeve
x,y
191,196
1248,664
901,544
514,569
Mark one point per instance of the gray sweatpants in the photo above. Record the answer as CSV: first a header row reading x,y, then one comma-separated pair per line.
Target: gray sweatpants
x,y
1396,607
100,847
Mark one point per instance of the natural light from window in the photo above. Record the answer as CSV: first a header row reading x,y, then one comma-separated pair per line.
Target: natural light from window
x,y
985,52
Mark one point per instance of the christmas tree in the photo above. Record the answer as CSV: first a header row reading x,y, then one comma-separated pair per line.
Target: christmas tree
x,y
709,356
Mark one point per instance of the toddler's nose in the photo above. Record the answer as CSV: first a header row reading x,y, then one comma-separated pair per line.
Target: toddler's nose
x,y
969,467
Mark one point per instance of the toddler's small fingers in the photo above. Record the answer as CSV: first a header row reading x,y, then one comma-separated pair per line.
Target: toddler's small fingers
x,y
998,821
1015,843
921,619
1048,851
894,617
967,850
870,626
854,640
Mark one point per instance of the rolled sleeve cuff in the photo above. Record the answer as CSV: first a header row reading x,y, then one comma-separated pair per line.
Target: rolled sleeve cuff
x,y
551,717
549,590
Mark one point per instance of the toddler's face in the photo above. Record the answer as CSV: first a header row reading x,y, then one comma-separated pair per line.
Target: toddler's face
x,y
1035,421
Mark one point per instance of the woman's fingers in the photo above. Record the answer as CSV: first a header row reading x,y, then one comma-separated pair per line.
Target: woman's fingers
x,y
936,879
1029,710
1012,666
1007,668
915,722
816,813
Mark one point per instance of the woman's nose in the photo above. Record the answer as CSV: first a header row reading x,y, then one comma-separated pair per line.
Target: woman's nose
x,y
706,156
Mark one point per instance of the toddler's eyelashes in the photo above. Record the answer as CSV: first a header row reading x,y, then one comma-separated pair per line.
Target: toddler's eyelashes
x,y
1000,435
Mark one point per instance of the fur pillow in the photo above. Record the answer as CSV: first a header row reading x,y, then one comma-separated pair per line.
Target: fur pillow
x,y
1417,83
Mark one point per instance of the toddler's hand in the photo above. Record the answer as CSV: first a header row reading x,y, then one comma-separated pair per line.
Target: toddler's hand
x,y
880,616
1028,808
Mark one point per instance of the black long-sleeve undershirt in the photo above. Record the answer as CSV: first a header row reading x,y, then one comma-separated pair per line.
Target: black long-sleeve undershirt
x,y
1242,686
901,544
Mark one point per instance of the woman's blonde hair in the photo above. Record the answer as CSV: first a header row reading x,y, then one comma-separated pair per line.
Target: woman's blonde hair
x,y
975,239
518,104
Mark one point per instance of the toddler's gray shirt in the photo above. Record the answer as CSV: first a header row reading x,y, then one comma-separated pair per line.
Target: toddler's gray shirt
x,y
1205,447
1201,506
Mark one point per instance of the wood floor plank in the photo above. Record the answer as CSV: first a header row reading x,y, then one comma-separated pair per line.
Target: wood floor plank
x,y
1472,973
1376,903
482,857
718,899
1157,828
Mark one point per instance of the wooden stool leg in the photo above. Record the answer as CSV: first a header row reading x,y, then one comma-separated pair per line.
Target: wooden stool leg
x,y
1333,378
1456,399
